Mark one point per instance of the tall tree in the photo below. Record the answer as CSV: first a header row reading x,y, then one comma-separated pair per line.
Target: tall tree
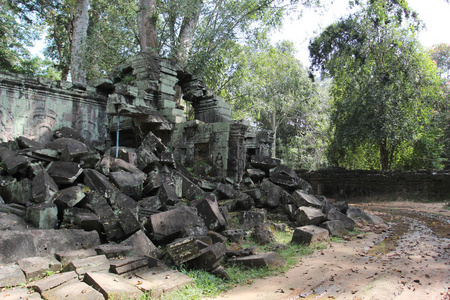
x,y
147,18
78,54
272,87
384,86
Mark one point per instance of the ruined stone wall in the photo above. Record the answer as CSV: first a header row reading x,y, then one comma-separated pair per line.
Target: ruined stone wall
x,y
341,183
34,108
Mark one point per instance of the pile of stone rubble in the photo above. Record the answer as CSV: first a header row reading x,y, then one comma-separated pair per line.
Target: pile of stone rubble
x,y
108,225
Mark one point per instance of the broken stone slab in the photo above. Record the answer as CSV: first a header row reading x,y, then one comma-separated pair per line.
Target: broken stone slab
x,y
159,282
16,209
256,175
13,191
226,190
43,154
112,250
167,195
264,163
128,222
271,194
15,245
70,133
142,245
146,160
182,250
153,183
73,291
186,188
69,197
269,259
209,211
127,265
70,149
19,293
336,228
24,143
119,200
251,218
131,184
357,214
308,216
65,257
118,164
112,286
208,258
11,275
152,202
42,216
303,199
12,161
63,172
38,267
262,234
309,234
101,208
334,214
43,188
153,143
54,281
97,263
98,182
171,224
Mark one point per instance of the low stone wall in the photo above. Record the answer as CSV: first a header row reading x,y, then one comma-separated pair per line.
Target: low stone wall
x,y
34,108
344,184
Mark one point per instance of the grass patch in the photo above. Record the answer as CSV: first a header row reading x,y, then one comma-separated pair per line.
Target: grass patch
x,y
207,285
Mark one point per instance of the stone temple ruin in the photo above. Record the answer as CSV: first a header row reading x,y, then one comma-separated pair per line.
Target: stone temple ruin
x,y
109,220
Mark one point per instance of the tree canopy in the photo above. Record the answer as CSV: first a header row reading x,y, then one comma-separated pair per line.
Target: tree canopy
x,y
385,89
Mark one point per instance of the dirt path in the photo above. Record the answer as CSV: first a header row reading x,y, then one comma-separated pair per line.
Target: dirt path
x,y
411,262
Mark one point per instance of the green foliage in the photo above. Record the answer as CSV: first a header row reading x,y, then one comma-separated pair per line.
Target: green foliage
x,y
385,90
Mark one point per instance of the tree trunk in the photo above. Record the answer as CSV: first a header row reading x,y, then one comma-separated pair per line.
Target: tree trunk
x,y
274,129
187,31
148,38
80,26
384,155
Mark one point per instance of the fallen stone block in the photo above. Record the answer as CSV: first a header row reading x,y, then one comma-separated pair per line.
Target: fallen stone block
x,y
269,259
262,234
336,228
11,275
119,200
101,208
256,175
302,199
42,216
235,235
209,211
89,222
128,222
13,191
334,214
271,194
15,245
12,161
173,223
226,191
64,172
43,188
208,258
327,205
70,149
309,234
308,216
167,195
142,245
217,237
112,250
112,286
251,218
264,163
150,203
97,263
186,188
357,214
24,143
146,159
65,257
159,282
38,267
98,182
131,184
246,200
69,197
70,133
54,281
16,209
182,250
19,293
73,291
127,265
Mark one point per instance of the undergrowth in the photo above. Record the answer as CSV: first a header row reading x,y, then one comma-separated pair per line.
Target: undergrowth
x,y
207,285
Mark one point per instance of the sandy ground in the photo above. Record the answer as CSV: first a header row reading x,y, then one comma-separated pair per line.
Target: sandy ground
x,y
411,262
